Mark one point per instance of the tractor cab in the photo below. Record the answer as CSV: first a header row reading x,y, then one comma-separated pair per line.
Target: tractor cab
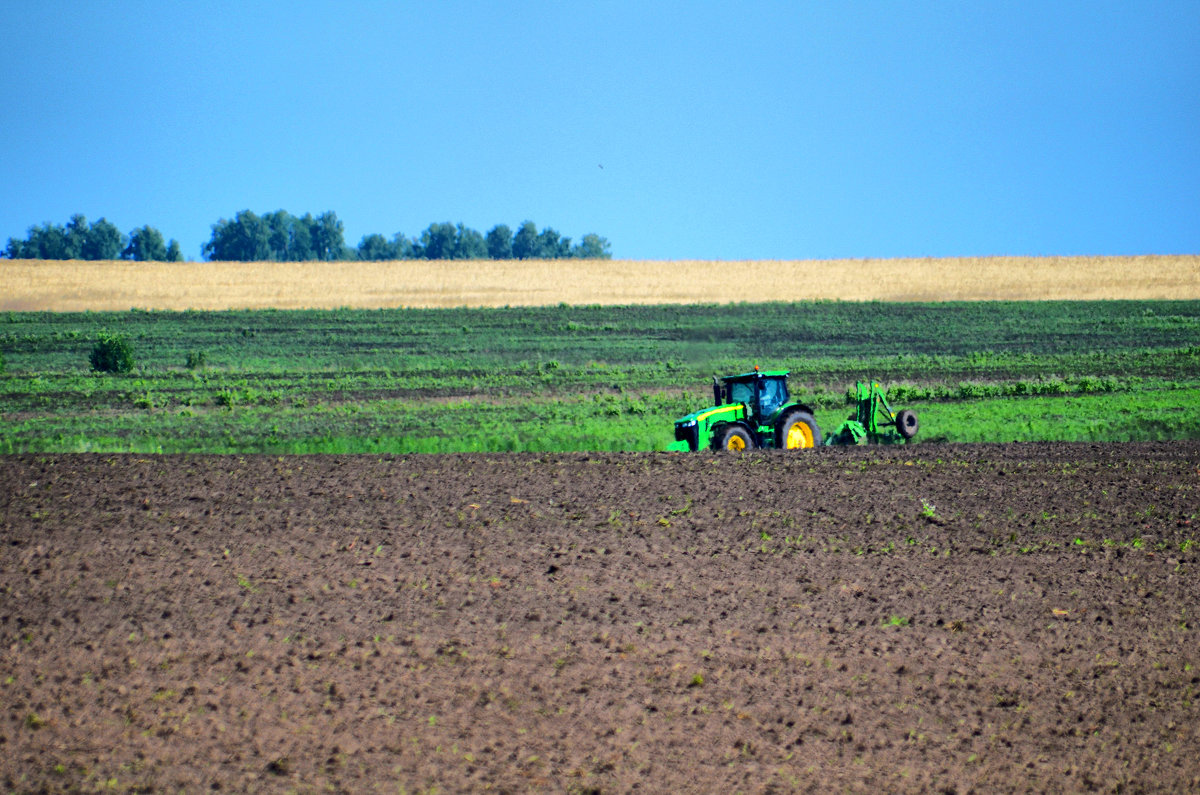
x,y
762,393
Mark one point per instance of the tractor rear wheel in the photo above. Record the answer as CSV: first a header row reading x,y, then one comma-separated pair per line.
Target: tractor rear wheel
x,y
798,431
734,438
907,423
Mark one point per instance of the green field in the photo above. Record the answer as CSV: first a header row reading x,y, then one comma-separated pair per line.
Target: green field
x,y
588,378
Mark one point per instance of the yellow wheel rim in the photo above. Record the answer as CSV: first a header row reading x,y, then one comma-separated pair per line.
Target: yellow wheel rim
x,y
799,436
735,443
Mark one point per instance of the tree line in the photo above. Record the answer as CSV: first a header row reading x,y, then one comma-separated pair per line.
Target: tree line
x,y
100,240
282,237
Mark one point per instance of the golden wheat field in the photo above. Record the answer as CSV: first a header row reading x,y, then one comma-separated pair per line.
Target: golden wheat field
x,y
27,285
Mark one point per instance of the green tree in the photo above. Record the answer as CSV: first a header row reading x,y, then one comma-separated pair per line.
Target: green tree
x,y
102,241
291,239
48,241
173,252
76,236
469,244
551,246
279,234
438,241
450,241
22,249
145,245
402,246
592,247
375,248
301,244
244,239
525,242
328,238
500,242
78,240
52,243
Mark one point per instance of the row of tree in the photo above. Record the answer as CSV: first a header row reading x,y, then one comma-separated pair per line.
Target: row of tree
x,y
101,240
278,236
455,241
282,237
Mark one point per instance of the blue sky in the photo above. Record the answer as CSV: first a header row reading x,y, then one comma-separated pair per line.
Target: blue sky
x,y
709,130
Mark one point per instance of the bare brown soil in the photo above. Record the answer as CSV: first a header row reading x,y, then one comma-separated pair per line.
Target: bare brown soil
x,y
930,618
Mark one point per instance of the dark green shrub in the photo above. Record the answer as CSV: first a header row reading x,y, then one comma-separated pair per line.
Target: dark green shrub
x,y
196,360
112,353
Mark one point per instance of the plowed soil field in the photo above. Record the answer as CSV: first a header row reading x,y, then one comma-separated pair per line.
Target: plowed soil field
x,y
928,618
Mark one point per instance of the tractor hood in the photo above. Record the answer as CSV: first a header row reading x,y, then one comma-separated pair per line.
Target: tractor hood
x,y
692,430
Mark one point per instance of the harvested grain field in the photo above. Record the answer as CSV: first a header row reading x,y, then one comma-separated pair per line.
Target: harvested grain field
x,y
952,618
69,286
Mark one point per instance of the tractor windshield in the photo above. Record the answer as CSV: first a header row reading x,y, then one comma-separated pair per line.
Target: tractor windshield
x,y
772,395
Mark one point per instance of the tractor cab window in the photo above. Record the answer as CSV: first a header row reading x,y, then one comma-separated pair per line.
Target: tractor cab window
x,y
772,395
741,392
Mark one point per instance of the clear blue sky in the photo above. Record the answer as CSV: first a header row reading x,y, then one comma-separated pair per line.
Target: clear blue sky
x,y
710,130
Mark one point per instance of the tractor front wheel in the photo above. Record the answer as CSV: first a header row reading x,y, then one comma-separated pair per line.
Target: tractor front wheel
x,y
798,431
734,438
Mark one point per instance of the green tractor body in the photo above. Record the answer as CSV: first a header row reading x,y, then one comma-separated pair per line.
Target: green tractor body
x,y
756,410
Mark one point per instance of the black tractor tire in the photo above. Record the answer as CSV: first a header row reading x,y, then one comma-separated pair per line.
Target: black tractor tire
x,y
734,438
797,431
907,423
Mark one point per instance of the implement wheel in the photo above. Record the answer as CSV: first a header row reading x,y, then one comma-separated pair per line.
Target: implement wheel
x,y
735,439
907,423
798,431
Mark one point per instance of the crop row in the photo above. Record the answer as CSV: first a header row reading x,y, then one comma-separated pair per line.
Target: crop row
x,y
406,338
567,378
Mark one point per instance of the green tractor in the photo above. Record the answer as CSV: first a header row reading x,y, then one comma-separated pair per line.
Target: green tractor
x,y
755,409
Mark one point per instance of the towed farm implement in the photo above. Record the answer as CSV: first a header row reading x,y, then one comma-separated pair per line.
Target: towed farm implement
x,y
756,409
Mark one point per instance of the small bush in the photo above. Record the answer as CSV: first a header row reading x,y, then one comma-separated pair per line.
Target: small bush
x,y
196,360
149,400
112,354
